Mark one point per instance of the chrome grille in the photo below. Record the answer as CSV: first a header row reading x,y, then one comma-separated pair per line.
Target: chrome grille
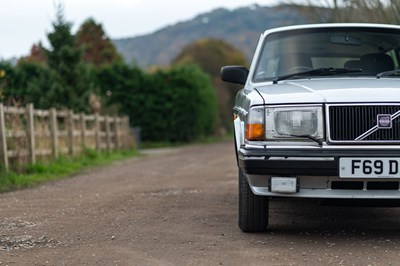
x,y
346,123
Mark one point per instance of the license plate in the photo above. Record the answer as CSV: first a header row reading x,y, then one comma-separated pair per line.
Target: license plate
x,y
369,167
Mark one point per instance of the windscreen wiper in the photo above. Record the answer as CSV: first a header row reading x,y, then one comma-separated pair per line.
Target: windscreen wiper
x,y
305,137
387,73
319,72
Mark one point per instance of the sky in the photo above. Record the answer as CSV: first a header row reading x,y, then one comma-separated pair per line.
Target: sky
x,y
25,22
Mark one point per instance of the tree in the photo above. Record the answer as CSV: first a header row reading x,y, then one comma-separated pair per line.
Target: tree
x,y
37,54
376,11
97,47
211,55
73,83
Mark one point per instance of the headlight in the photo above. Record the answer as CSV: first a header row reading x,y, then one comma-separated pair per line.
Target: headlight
x,y
294,121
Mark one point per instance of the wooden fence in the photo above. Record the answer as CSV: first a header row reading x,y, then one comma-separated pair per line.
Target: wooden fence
x,y
26,134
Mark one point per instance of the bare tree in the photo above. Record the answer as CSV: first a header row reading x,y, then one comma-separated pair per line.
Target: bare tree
x,y
395,11
375,11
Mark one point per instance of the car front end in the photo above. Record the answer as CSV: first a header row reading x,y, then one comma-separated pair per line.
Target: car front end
x,y
327,148
319,116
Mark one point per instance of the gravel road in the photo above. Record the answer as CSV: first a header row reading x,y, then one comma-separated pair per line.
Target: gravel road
x,y
179,207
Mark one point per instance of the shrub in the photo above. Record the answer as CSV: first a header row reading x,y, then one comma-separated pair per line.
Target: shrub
x,y
180,105
174,105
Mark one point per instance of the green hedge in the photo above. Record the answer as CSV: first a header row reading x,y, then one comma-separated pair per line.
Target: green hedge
x,y
175,105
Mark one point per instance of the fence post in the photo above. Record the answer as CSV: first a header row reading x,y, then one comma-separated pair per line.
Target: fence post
x,y
54,132
108,133
71,146
116,133
3,140
83,130
31,133
127,131
97,131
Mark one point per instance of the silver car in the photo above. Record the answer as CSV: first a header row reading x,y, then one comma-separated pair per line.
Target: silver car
x,y
318,116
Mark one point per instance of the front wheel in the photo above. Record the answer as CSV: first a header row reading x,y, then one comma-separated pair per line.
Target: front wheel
x,y
253,209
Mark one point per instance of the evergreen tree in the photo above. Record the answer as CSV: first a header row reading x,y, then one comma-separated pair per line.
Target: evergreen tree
x,y
73,83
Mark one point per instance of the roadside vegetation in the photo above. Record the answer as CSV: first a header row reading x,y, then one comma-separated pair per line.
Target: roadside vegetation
x,y
62,167
84,72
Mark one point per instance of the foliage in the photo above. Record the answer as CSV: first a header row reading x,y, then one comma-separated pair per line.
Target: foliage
x,y
7,79
62,80
184,105
28,82
97,47
211,55
118,83
176,104
171,105
64,166
372,11
73,82
37,54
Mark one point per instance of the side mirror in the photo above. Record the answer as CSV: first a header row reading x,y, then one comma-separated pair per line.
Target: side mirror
x,y
234,74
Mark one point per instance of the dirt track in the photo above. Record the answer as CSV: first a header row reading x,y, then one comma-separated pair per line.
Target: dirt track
x,y
179,207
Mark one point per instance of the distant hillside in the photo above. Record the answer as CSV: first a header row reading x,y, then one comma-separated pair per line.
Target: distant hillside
x,y
240,27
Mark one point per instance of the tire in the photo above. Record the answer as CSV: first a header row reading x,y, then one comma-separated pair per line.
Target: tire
x,y
253,209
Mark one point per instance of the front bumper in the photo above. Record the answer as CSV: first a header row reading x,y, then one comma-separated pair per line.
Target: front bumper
x,y
301,161
316,169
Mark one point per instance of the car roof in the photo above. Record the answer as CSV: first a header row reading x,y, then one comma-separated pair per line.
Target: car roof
x,y
332,25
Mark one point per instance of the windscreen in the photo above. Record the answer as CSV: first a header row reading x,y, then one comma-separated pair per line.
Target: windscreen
x,y
373,50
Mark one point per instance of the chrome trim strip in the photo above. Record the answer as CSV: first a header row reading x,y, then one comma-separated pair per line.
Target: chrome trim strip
x,y
293,105
331,193
395,115
364,147
366,142
367,133
261,158
240,110
324,147
301,159
375,128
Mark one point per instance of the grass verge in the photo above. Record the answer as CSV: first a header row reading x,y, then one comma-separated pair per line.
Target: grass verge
x,y
64,166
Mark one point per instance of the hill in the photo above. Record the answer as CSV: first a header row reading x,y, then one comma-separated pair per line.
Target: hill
x,y
240,27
